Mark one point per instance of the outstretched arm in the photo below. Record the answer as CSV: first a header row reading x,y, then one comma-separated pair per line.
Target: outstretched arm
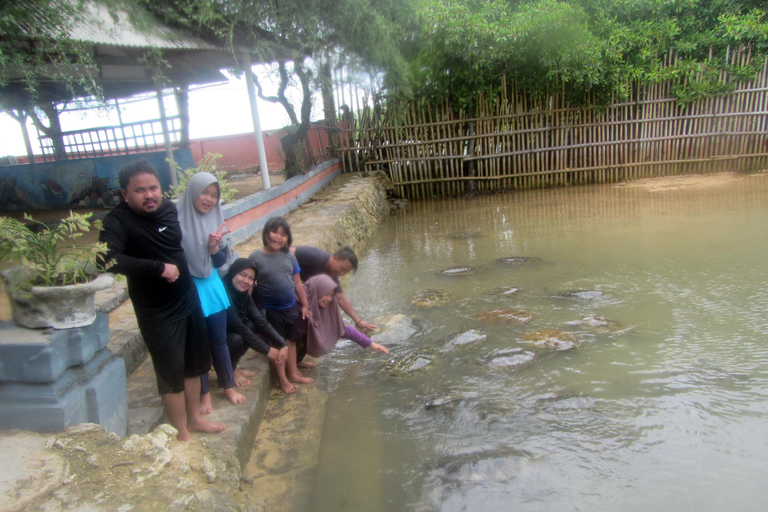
x,y
346,307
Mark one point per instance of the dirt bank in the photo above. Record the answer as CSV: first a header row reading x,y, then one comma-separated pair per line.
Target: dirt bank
x,y
690,181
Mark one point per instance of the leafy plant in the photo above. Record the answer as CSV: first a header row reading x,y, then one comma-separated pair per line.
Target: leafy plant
x,y
207,164
51,255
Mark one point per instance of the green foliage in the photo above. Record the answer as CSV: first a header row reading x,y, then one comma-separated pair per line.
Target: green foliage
x,y
53,56
207,164
51,255
585,49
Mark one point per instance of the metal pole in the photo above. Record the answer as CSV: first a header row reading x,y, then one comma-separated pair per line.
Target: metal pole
x,y
166,134
256,122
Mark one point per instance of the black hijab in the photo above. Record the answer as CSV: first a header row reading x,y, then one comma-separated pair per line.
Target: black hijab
x,y
238,299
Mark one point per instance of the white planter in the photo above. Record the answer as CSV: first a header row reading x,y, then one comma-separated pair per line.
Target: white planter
x,y
60,307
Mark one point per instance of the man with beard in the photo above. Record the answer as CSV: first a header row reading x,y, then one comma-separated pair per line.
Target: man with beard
x,y
143,237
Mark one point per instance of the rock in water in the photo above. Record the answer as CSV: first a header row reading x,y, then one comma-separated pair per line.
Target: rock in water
x,y
518,260
431,298
393,329
460,271
551,340
512,359
505,315
465,339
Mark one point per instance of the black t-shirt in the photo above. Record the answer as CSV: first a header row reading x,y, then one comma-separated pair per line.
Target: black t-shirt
x,y
312,262
140,245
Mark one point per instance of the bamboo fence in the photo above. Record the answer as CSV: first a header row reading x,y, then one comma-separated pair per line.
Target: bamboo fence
x,y
520,142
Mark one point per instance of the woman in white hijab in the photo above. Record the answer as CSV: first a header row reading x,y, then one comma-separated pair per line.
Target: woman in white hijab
x,y
206,248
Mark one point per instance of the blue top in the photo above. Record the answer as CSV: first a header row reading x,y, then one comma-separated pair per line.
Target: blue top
x,y
275,288
213,296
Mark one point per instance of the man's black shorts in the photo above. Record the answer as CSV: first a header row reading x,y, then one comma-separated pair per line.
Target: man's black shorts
x,y
179,350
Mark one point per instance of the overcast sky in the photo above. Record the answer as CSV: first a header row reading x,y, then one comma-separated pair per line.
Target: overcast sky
x,y
215,110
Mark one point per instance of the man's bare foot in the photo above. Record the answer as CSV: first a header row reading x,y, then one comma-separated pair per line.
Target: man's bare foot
x,y
306,364
287,387
299,379
248,374
241,380
203,425
233,396
206,405
184,436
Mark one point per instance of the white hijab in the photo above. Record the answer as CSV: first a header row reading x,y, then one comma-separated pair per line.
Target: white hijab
x,y
195,226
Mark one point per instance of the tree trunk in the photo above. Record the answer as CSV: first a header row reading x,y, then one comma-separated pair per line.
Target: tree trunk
x,y
182,105
21,117
53,130
289,142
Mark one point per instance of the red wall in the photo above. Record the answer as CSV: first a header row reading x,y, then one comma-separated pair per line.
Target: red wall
x,y
239,151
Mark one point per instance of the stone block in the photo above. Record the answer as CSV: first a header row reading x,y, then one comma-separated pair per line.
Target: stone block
x,y
107,399
94,392
42,356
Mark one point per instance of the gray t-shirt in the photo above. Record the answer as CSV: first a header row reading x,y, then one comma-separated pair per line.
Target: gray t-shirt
x,y
275,287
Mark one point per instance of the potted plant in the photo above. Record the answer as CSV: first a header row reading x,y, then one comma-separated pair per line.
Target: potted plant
x,y
57,278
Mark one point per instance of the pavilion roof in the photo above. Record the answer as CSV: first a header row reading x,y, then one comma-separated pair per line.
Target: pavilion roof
x,y
118,41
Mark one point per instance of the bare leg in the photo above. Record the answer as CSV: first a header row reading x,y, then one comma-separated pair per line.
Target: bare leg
x,y
173,404
206,406
285,384
291,369
234,397
195,422
306,364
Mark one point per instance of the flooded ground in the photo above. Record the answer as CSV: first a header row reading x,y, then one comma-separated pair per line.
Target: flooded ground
x,y
614,355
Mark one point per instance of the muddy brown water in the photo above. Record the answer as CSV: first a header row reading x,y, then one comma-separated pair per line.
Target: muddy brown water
x,y
665,408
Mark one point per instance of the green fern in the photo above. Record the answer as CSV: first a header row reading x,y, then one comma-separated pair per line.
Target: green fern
x,y
207,164
51,255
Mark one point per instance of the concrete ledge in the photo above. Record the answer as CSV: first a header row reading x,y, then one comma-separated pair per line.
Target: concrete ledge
x,y
42,356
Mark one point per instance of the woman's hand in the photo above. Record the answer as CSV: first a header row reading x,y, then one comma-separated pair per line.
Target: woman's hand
x,y
277,356
362,324
379,348
214,239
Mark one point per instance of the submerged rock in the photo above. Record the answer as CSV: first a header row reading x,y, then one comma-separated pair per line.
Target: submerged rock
x,y
512,359
518,260
393,329
505,292
567,404
408,363
505,315
486,466
442,401
431,298
551,340
466,339
460,271
580,294
601,325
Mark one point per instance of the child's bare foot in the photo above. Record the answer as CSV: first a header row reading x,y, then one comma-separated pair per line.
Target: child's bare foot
x,y
248,374
233,396
299,379
287,387
205,404
203,425
240,379
306,364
